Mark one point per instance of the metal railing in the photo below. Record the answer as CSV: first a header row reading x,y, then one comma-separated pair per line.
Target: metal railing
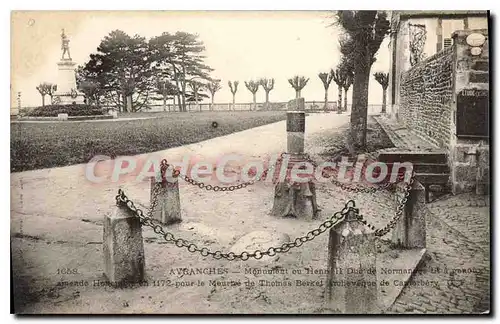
x,y
193,107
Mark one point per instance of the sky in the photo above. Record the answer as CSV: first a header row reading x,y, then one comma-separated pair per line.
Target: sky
x,y
240,45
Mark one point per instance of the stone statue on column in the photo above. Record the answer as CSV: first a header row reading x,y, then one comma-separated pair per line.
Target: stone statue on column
x,y
65,45
67,92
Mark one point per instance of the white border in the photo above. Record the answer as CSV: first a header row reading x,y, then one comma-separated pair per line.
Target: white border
x,y
197,5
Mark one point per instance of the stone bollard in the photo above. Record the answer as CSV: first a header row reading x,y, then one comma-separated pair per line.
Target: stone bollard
x,y
295,198
352,276
410,231
123,247
168,207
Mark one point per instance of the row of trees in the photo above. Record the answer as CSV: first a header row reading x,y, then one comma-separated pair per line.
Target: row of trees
x,y
131,73
46,88
342,79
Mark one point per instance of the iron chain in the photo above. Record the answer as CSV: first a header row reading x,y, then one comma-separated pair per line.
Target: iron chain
x,y
351,188
399,211
122,199
387,186
209,187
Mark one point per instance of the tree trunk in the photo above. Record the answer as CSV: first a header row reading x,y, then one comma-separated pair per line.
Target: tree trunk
x,y
326,100
179,101
176,78
164,103
212,105
299,93
43,100
267,100
234,101
345,99
130,104
359,107
124,95
339,105
384,95
196,100
254,101
183,98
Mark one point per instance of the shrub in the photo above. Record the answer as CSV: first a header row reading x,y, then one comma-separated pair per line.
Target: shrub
x,y
71,110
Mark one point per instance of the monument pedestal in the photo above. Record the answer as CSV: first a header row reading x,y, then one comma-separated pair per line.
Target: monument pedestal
x,y
67,93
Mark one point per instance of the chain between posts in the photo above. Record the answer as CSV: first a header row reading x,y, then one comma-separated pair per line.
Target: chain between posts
x,y
122,199
209,187
358,188
399,211
327,224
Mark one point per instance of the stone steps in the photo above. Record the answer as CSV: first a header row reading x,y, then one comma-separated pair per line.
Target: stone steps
x,y
433,178
415,157
431,168
427,168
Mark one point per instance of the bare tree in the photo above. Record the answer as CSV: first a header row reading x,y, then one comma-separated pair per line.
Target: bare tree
x,y
46,88
326,79
213,87
52,91
347,69
234,88
339,78
253,87
298,83
268,85
383,79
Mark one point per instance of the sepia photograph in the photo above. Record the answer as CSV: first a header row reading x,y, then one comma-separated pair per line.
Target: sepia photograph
x,y
250,162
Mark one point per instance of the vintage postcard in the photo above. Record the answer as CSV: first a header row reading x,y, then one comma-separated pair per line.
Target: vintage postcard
x,y
250,162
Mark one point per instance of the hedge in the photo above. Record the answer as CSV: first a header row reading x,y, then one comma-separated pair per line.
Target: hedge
x,y
71,110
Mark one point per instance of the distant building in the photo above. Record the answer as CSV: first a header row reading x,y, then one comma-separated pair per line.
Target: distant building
x,y
426,32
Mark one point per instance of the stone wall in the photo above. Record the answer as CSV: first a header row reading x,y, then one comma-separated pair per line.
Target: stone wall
x,y
426,96
428,107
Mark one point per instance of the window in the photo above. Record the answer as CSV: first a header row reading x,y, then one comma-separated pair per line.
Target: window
x,y
447,42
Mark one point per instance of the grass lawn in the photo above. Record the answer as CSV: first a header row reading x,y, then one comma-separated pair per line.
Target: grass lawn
x,y
45,145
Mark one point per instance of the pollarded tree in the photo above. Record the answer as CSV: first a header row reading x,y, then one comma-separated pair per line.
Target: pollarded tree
x,y
326,78
339,78
347,69
213,87
52,91
383,80
268,85
253,87
347,84
363,31
46,88
298,83
234,88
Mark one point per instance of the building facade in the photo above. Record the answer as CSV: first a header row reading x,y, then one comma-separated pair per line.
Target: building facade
x,y
440,89
421,34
